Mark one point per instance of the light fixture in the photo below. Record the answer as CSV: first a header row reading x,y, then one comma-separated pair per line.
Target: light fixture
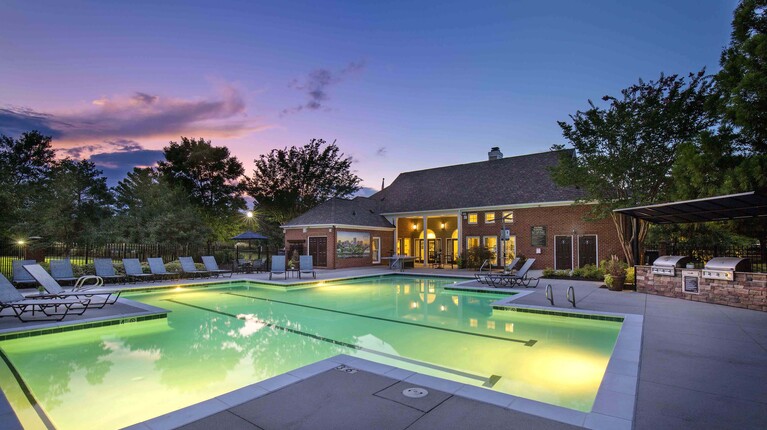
x,y
249,214
443,225
20,242
415,226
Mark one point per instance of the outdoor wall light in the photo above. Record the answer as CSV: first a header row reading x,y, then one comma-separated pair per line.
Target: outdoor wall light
x,y
443,225
415,226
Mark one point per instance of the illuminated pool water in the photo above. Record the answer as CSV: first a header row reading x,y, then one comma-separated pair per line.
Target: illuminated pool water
x,y
216,340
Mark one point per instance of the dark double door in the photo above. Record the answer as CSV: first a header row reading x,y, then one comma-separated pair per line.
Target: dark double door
x,y
564,252
318,249
587,250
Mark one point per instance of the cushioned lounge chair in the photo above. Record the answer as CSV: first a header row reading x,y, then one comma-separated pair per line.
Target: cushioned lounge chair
x,y
106,270
306,265
212,265
134,271
80,290
157,267
188,268
20,276
278,266
54,309
61,271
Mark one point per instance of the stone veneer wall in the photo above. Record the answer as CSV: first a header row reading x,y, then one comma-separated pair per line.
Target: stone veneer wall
x,y
748,290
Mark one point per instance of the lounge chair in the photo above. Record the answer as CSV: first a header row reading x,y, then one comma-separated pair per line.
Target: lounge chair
x,y
134,271
157,267
106,270
188,267
482,275
80,290
212,266
278,266
517,279
20,275
61,271
484,278
54,309
306,265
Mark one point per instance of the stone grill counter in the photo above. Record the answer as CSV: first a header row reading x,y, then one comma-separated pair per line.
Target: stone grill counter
x,y
748,290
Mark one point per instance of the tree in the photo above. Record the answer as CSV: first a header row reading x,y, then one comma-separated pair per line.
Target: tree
x,y
743,78
625,152
24,163
288,182
73,203
210,176
149,209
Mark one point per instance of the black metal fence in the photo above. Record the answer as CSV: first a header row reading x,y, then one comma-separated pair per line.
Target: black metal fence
x,y
700,255
80,254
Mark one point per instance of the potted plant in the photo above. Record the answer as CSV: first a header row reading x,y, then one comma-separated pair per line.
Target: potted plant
x,y
615,273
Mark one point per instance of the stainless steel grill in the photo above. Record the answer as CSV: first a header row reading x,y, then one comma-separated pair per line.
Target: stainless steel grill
x,y
667,264
724,268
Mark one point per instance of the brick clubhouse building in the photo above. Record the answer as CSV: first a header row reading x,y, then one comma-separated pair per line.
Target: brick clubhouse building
x,y
434,215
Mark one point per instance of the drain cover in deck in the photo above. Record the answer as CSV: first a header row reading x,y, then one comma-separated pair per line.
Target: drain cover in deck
x,y
415,392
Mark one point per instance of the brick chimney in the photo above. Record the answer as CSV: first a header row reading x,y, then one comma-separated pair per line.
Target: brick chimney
x,y
494,154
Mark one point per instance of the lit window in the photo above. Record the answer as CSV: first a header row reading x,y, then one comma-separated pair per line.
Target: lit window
x,y
472,218
489,217
491,325
472,242
508,216
473,322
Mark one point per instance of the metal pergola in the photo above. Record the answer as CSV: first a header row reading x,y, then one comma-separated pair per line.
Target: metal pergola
x,y
752,204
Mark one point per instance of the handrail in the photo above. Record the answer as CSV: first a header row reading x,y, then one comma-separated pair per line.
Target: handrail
x,y
549,294
571,295
80,283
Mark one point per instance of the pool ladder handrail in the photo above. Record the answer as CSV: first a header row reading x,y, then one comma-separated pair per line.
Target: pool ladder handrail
x,y
549,294
571,295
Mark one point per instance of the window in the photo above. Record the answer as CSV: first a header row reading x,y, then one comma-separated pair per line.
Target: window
x,y
491,243
489,217
508,216
472,242
472,218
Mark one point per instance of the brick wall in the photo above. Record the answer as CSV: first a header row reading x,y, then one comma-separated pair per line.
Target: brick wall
x,y
387,244
561,220
748,290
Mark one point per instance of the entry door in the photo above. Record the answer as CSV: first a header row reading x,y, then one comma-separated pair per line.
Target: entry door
x,y
318,249
563,253
587,250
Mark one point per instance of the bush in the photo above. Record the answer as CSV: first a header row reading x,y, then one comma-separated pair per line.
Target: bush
x,y
476,255
589,272
630,276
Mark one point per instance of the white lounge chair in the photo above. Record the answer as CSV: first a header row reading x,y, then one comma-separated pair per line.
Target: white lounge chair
x,y
306,265
79,290
212,266
188,267
54,309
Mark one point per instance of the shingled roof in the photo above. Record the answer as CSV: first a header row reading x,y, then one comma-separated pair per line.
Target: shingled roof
x,y
360,211
508,181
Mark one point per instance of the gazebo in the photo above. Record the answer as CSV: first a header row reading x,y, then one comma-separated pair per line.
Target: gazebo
x,y
248,236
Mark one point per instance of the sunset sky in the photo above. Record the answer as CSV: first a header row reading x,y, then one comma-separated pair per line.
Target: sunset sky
x,y
399,85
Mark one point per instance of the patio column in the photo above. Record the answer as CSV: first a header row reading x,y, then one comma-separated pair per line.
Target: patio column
x,y
425,242
460,235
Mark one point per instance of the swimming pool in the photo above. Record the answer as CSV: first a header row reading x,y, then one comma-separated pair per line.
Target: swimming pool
x,y
218,339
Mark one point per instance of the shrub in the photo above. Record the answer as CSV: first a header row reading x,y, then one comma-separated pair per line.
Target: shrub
x,y
630,276
548,272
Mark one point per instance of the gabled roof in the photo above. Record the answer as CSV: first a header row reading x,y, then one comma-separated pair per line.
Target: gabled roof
x,y
508,181
359,211
505,182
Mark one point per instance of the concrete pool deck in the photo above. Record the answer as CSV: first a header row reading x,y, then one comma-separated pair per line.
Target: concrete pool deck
x,y
702,365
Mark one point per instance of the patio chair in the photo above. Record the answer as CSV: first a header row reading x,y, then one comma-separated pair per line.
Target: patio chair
x,y
106,270
157,267
519,278
11,298
306,265
278,266
20,275
61,270
212,266
259,265
134,271
54,290
188,267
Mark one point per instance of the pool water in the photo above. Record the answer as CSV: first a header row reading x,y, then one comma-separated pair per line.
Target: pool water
x,y
219,339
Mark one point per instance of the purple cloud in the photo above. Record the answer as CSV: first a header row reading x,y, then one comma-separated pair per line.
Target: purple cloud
x,y
316,85
141,115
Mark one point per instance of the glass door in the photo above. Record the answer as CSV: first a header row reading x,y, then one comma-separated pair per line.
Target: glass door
x,y
375,249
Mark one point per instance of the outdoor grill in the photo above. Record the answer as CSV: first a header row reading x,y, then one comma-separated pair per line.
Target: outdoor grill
x,y
667,264
724,268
